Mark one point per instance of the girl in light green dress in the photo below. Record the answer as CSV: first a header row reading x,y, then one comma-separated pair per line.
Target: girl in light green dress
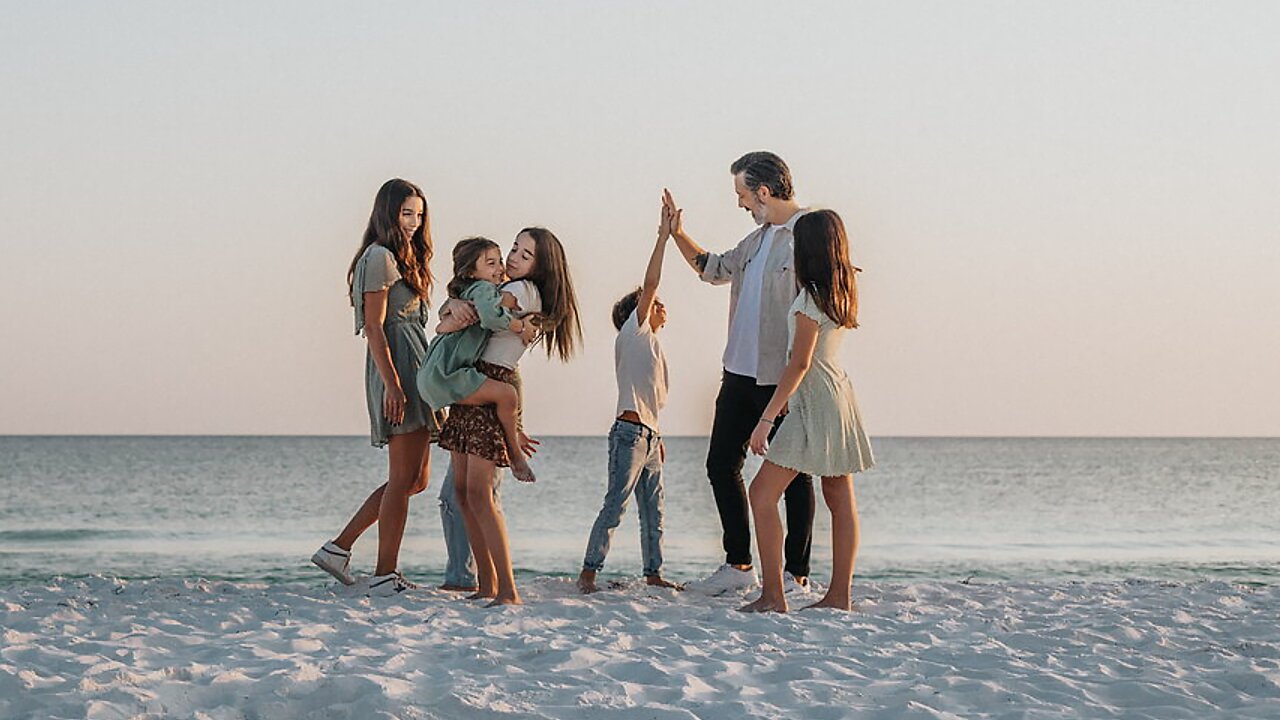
x,y
389,282
823,435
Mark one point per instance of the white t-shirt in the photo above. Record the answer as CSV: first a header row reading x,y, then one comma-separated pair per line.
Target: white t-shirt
x,y
505,348
742,353
642,371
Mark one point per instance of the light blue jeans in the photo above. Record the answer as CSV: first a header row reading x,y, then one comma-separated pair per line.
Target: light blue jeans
x,y
635,466
460,567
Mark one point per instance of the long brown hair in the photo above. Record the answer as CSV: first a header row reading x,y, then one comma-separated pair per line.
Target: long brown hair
x,y
561,329
823,268
413,256
465,255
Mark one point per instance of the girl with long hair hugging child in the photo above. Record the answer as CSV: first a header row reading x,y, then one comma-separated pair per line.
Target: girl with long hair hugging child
x,y
484,434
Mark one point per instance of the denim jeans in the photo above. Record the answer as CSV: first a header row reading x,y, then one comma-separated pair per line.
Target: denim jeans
x,y
738,409
460,567
635,466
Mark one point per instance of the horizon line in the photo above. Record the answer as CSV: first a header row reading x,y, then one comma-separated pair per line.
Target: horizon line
x,y
605,435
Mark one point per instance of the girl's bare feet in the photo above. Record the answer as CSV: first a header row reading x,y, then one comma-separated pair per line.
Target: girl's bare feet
x,y
765,604
482,594
659,581
521,469
587,582
447,587
506,600
827,601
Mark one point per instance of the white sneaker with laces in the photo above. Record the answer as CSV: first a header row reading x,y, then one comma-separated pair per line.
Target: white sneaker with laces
x,y
335,561
793,588
388,585
726,579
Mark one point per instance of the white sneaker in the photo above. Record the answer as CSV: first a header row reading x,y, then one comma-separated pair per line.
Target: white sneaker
x,y
388,585
792,588
727,579
335,561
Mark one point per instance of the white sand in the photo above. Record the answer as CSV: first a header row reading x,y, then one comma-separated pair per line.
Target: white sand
x,y
102,648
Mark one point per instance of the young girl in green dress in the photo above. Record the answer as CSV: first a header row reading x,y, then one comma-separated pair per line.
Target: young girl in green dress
x,y
823,435
389,282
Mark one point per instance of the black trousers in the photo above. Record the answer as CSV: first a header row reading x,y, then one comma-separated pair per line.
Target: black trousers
x,y
738,409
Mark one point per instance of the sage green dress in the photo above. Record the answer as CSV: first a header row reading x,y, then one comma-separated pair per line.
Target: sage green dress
x,y
823,434
405,328
449,374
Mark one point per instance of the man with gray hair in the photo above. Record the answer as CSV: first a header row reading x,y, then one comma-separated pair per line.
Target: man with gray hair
x,y
761,278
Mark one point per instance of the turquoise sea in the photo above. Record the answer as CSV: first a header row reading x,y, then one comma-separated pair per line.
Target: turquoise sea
x,y
254,508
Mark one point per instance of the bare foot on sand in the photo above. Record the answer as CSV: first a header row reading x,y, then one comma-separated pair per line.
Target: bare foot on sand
x,y
447,587
659,581
483,594
505,600
827,601
587,582
765,604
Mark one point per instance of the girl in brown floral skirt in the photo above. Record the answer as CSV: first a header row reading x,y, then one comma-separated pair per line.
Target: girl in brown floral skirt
x,y
543,288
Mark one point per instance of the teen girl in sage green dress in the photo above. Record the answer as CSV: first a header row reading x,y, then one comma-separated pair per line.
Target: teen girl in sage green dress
x,y
389,282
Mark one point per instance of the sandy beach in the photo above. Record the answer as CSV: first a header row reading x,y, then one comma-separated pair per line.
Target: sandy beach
x,y
106,648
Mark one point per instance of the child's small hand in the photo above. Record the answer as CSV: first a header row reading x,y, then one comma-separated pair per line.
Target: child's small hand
x,y
530,331
673,212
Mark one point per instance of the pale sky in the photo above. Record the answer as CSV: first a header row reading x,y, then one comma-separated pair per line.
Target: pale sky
x,y
1068,213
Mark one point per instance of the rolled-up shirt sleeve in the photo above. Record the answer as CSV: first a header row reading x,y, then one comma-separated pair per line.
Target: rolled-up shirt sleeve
x,y
719,269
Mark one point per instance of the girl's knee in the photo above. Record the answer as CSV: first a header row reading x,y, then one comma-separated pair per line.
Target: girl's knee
x,y
837,492
478,495
508,401
760,494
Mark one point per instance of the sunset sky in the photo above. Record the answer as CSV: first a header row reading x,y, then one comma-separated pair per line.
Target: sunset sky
x,y
1068,213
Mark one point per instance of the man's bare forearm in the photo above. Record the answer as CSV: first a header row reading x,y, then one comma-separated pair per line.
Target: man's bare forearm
x,y
691,251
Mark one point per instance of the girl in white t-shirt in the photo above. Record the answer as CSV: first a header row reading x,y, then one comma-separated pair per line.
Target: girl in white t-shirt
x,y
540,283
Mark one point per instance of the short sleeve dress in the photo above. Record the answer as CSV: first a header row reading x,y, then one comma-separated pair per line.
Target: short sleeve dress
x,y
405,328
823,433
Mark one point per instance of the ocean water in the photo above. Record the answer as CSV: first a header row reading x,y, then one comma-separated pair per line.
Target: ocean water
x,y
254,508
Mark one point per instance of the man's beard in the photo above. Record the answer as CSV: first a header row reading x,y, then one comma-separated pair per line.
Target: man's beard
x,y
760,214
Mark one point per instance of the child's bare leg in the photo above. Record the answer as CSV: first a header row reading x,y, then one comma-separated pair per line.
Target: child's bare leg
x,y
765,492
837,491
493,525
507,402
485,579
